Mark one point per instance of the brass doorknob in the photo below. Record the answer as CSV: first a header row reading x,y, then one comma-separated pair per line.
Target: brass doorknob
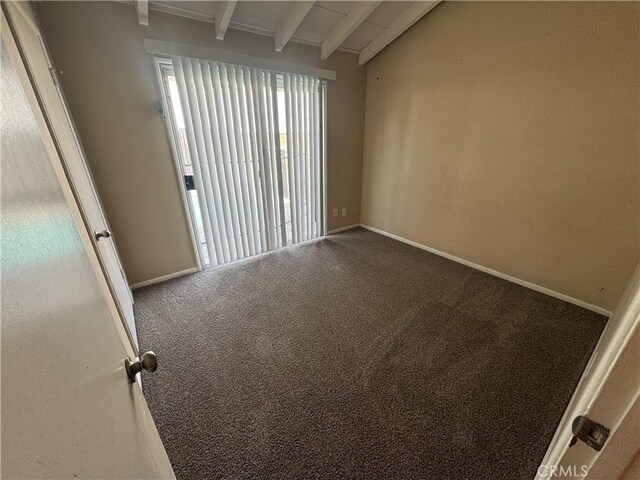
x,y
148,362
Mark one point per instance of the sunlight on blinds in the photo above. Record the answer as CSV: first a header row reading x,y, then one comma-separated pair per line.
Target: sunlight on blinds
x,y
254,138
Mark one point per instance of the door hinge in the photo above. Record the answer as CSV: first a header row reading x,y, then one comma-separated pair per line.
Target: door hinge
x,y
52,71
160,107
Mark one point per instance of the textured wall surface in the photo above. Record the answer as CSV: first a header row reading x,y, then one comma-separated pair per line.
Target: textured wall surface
x,y
508,134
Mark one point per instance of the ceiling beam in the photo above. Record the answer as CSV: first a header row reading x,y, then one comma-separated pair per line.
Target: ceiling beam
x,y
142,11
160,6
356,16
407,18
291,23
223,16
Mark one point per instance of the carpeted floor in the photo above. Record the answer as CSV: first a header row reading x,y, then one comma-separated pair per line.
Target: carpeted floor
x,y
357,356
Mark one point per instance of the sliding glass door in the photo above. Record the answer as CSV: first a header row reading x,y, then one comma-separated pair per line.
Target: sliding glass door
x,y
249,147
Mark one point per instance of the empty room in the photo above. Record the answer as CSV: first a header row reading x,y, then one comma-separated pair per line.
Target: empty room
x,y
320,239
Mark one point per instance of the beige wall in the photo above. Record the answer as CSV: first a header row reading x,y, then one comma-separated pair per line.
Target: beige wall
x,y
632,471
110,86
507,134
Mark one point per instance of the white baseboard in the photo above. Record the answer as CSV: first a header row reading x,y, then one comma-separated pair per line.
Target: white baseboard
x,y
504,276
164,277
342,229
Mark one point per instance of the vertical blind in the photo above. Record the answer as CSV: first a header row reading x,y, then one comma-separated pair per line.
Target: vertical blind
x,y
255,141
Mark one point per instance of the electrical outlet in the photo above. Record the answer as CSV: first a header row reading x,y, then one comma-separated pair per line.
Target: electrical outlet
x,y
335,212
344,212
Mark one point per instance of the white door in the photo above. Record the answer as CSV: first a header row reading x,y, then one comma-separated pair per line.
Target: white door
x,y
608,393
30,40
68,409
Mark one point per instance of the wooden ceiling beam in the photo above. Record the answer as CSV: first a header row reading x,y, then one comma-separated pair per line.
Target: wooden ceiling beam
x,y
407,18
223,16
358,14
142,11
291,23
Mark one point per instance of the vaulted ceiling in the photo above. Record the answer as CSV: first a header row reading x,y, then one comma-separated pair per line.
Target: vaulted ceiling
x,y
360,27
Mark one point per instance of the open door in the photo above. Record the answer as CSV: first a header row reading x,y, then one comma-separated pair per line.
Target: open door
x,y
43,75
68,407
608,394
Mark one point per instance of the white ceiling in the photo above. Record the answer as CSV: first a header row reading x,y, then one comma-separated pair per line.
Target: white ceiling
x,y
377,29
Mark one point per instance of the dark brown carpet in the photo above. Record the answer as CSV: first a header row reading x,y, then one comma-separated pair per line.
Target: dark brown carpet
x,y
357,356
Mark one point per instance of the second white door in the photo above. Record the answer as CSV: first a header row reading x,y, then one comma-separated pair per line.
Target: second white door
x,y
41,69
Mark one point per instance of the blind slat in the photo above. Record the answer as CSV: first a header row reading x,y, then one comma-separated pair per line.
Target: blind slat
x,y
317,118
314,180
296,137
265,166
249,153
278,161
273,174
233,239
307,156
255,149
222,213
301,156
291,171
233,153
206,171
198,157
240,162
